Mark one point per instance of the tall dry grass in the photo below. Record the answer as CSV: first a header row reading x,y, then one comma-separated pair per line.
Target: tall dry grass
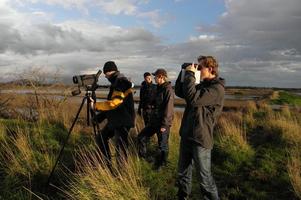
x,y
94,181
285,124
19,156
294,170
274,95
248,115
2,131
231,130
174,138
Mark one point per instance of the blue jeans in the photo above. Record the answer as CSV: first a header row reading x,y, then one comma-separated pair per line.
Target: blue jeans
x,y
192,153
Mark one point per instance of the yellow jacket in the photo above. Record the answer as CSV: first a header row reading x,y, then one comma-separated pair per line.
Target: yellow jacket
x,y
117,99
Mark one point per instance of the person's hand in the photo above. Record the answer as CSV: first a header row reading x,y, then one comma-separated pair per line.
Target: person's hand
x,y
192,68
162,130
91,103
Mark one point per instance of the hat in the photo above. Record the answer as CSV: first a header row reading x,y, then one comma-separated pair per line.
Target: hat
x,y
146,74
160,71
109,66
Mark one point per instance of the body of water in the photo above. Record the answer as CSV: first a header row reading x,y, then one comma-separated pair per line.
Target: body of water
x,y
104,92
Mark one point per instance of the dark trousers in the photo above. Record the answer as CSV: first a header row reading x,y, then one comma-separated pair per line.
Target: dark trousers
x,y
120,135
144,136
146,113
192,153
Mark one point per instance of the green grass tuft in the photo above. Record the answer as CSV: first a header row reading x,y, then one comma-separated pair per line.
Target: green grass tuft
x,y
287,98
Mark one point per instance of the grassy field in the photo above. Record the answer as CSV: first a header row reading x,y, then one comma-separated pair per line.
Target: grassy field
x,y
256,155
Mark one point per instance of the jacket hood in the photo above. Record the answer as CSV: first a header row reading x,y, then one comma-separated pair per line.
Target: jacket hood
x,y
113,77
217,80
166,84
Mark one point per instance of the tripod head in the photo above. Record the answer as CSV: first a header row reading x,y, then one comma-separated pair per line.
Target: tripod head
x,y
87,81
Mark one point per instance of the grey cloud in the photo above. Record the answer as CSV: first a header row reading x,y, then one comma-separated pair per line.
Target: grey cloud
x,y
9,37
269,23
51,39
259,42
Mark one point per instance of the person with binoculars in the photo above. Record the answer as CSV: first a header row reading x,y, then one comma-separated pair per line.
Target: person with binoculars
x,y
204,104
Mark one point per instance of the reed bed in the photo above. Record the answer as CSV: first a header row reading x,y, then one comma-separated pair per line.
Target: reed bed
x,y
294,170
246,156
93,180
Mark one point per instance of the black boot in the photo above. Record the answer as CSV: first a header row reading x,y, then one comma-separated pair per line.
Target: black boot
x,y
162,160
141,149
182,195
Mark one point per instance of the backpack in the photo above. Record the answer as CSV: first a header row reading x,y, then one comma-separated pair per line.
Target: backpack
x,y
179,86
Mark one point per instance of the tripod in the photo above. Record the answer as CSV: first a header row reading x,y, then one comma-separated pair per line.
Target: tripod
x,y
88,95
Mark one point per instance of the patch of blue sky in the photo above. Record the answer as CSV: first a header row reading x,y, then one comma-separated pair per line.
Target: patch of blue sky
x,y
98,15
187,15
58,13
182,17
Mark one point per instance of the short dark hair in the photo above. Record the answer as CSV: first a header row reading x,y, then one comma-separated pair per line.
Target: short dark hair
x,y
146,74
109,66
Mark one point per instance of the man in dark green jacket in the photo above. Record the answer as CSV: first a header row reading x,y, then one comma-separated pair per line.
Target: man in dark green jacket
x,y
204,103
147,95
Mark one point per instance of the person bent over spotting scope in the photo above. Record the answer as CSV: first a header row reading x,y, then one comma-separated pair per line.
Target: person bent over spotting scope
x,y
147,95
119,111
161,119
204,104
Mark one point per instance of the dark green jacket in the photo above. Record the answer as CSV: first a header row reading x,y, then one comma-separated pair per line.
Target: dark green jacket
x,y
204,103
147,95
162,114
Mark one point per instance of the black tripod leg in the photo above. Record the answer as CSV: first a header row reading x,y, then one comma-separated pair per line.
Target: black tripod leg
x,y
66,140
88,111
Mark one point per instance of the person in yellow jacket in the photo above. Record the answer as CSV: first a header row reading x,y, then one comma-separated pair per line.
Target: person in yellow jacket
x,y
119,111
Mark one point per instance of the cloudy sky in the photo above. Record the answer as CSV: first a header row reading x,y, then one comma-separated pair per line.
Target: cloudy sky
x,y
257,43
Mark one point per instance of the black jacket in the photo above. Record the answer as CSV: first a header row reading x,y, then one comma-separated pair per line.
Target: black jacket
x,y
124,114
162,114
147,95
204,104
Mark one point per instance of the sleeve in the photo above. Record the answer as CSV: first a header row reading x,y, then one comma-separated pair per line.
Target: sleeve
x,y
123,84
141,94
201,97
117,100
179,86
168,104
